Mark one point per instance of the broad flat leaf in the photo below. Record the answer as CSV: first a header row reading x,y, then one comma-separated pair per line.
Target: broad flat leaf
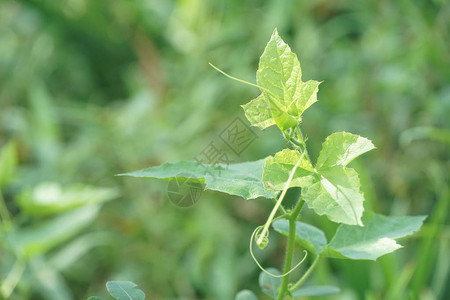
x,y
258,112
243,179
246,295
50,198
340,148
307,235
318,290
95,298
335,193
373,240
39,238
124,290
268,284
279,77
8,162
277,169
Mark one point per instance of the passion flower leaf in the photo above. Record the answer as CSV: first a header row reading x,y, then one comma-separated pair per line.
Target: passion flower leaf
x,y
277,169
375,239
243,179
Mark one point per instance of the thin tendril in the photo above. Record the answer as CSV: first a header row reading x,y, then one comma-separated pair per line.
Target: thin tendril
x,y
257,229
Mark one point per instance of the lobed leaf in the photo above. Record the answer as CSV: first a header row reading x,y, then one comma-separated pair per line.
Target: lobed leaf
x,y
277,169
258,112
310,237
284,95
243,179
335,192
124,290
375,239
340,148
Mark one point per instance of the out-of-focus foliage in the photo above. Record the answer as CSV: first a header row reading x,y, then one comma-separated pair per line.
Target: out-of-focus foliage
x,y
89,89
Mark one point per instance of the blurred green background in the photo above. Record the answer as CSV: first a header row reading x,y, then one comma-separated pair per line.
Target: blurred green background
x,y
90,89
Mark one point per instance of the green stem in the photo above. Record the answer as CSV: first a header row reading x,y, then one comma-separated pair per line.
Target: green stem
x,y
290,249
306,275
278,204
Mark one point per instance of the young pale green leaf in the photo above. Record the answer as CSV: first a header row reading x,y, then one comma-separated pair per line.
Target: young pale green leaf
x,y
318,290
284,96
268,284
243,179
246,295
375,239
124,290
8,161
277,169
310,237
258,112
335,193
340,148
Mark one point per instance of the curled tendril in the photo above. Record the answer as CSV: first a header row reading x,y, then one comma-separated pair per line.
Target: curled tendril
x,y
263,245
261,241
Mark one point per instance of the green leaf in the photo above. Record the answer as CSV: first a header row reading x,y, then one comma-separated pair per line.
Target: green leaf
x,y
246,295
319,290
340,148
310,237
335,190
375,239
243,179
277,169
258,112
124,290
94,298
284,96
268,284
8,162
50,198
335,193
41,237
